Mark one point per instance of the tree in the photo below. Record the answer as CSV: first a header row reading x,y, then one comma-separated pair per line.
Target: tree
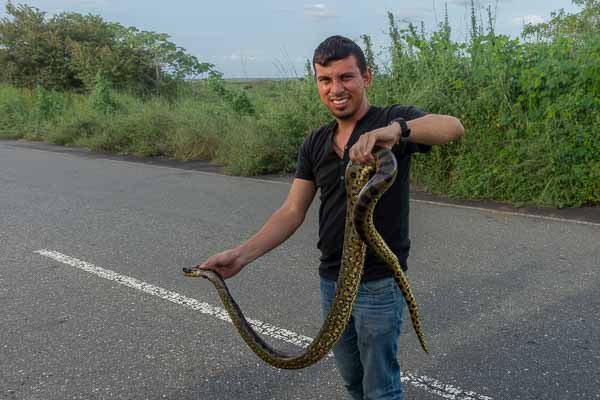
x,y
26,46
68,50
168,61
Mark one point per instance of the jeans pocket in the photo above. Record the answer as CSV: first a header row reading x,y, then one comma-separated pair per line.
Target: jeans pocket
x,y
377,287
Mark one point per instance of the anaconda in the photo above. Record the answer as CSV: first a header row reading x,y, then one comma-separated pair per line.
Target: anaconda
x,y
363,192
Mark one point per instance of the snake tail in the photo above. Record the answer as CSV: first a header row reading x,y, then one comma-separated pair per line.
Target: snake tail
x,y
365,227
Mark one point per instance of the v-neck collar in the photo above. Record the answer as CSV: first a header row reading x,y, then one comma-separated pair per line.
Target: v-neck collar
x,y
353,136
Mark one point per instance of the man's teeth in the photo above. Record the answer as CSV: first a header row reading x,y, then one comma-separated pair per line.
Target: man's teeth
x,y
340,102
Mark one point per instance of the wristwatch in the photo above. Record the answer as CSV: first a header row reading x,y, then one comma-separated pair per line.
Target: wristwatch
x,y
399,147
403,127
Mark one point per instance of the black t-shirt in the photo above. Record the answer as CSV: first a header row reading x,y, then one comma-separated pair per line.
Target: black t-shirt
x,y
318,162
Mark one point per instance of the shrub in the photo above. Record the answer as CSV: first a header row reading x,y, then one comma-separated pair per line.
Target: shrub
x,y
15,108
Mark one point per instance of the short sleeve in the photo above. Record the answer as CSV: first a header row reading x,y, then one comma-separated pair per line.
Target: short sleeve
x,y
408,113
304,169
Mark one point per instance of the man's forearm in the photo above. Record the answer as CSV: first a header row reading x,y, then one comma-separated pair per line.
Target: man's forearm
x,y
435,129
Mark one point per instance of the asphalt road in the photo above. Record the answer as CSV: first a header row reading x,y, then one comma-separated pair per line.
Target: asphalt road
x,y
510,304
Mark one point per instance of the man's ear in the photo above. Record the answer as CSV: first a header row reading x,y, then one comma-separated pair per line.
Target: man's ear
x,y
367,77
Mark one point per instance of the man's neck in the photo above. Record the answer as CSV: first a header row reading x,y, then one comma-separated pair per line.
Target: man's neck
x,y
346,126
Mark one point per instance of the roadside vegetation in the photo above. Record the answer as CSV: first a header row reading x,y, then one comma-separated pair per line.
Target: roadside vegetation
x,y
530,106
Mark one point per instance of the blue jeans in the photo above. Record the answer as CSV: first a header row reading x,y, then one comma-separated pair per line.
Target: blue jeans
x,y
366,352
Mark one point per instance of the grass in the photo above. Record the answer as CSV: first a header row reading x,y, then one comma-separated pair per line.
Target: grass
x,y
531,110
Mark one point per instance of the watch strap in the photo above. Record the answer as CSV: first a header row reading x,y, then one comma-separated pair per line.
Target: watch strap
x,y
403,127
400,147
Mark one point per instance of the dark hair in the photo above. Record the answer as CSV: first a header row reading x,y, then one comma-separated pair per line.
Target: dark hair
x,y
337,48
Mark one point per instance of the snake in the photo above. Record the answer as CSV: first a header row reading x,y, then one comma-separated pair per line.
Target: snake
x,y
365,184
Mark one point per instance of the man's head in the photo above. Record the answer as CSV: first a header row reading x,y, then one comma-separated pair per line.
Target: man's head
x,y
336,48
342,77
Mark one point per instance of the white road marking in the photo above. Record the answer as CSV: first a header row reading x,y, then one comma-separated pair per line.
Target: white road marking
x,y
512,213
188,302
428,384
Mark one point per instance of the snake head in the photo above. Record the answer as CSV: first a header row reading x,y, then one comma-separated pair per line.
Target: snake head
x,y
193,272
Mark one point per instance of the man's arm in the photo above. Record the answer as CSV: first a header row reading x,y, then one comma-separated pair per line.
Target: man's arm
x,y
278,228
430,129
433,129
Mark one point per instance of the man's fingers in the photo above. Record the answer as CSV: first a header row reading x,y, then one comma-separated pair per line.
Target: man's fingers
x,y
364,148
207,265
195,268
371,144
361,152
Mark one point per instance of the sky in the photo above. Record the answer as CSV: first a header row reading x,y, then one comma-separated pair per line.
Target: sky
x,y
274,38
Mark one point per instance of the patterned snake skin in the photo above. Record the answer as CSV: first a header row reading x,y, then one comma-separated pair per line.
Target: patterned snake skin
x,y
362,196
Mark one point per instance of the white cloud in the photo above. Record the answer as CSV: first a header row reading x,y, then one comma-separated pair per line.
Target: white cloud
x,y
527,19
318,11
240,57
314,11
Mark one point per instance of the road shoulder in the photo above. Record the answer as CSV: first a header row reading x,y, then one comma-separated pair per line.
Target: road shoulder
x,y
586,214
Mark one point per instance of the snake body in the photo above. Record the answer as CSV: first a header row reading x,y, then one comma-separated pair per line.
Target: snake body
x,y
363,193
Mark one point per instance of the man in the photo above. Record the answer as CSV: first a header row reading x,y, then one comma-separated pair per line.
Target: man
x,y
366,353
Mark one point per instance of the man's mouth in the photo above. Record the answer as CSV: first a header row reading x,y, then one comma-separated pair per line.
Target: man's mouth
x,y
340,102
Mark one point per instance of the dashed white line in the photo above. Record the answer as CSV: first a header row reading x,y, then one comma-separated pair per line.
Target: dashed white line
x,y
428,384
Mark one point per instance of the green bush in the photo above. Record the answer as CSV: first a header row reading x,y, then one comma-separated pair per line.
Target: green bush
x,y
15,108
269,144
531,110
199,127
79,123
102,99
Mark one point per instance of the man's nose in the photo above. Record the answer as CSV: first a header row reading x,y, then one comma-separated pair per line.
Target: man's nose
x,y
337,87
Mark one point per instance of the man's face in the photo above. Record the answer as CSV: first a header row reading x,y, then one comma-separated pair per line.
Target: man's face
x,y
342,87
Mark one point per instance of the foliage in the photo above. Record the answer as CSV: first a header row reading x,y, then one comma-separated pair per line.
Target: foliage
x,y
49,104
270,144
67,51
530,106
369,54
14,112
237,99
102,98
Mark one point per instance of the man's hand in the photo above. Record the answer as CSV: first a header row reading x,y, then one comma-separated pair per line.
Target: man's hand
x,y
280,226
226,263
385,137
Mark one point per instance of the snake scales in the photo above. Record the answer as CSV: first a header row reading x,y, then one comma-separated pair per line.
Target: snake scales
x,y
363,192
